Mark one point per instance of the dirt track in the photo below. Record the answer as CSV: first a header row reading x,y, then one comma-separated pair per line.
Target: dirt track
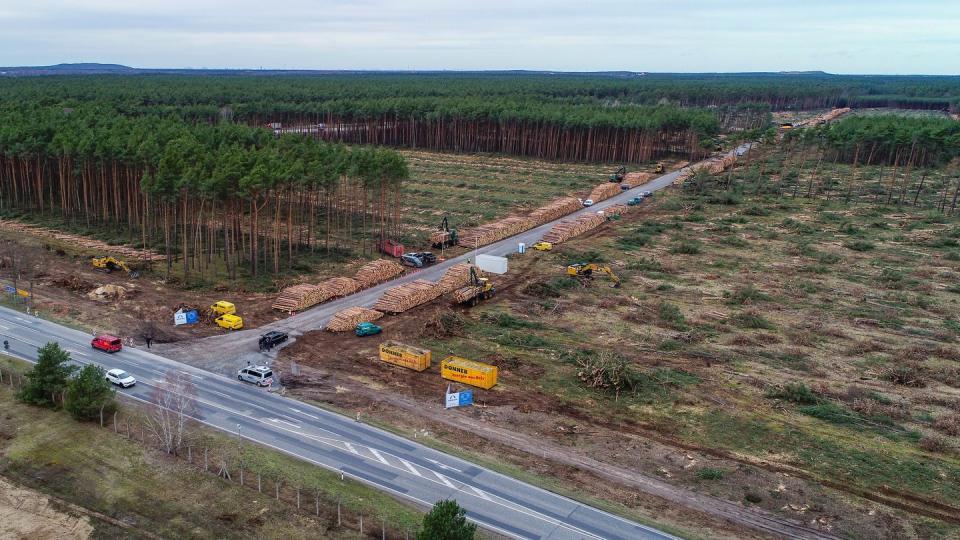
x,y
25,513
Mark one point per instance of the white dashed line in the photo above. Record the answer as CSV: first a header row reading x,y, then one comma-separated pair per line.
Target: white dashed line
x,y
481,493
378,456
445,481
410,467
351,448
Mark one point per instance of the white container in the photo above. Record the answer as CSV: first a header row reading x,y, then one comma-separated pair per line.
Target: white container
x,y
492,264
521,248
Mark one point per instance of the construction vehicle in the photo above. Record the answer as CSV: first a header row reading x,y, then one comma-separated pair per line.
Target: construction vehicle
x,y
222,307
418,259
109,264
367,329
619,175
444,237
659,168
229,321
480,288
585,271
542,246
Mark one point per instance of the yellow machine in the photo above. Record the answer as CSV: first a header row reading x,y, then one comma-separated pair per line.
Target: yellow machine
x,y
229,321
109,264
659,168
542,246
222,307
586,270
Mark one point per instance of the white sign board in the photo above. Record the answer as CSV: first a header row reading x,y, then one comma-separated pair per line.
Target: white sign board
x,y
492,264
179,317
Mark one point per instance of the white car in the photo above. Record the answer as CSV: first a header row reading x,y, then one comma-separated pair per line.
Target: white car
x,y
121,378
588,202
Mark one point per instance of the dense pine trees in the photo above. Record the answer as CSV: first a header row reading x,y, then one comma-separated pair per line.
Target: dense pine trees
x,y
216,198
889,139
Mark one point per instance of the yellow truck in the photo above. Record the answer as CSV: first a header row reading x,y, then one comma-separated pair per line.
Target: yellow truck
x,y
222,307
455,368
229,321
403,355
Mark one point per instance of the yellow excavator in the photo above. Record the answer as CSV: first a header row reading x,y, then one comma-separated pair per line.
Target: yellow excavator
x,y
659,168
109,264
586,270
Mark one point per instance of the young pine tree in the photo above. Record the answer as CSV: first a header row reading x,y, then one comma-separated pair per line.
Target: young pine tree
x,y
48,378
446,521
89,394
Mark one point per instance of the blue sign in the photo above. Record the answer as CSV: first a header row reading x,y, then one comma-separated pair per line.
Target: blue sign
x,y
465,398
192,317
10,289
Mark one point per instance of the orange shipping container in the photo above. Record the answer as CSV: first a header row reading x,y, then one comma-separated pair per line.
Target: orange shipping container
x,y
408,356
454,368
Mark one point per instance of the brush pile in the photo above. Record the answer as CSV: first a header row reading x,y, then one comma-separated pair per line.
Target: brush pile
x,y
556,209
567,229
489,233
378,271
407,296
456,276
347,319
299,297
604,191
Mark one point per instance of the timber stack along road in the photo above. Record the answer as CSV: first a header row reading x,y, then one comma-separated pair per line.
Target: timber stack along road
x,y
368,454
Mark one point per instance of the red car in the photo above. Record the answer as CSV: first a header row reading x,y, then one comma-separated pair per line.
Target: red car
x,y
107,343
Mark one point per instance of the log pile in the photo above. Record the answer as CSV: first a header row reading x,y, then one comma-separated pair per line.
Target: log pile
x,y
456,276
407,296
347,319
637,178
378,271
567,229
464,294
556,209
439,237
339,286
299,297
615,210
76,241
489,233
604,191
824,118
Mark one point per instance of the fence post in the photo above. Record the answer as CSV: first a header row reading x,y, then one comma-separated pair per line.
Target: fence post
x,y
383,528
205,467
114,421
298,497
276,485
259,486
361,523
241,474
338,511
190,454
317,499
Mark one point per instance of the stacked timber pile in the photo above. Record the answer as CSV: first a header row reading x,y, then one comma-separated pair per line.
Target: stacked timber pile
x,y
378,271
489,233
637,178
299,297
556,209
348,319
567,229
456,276
407,296
604,191
464,294
615,210
339,286
824,118
81,241
439,237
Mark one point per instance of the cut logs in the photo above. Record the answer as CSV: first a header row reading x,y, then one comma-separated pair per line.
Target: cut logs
x,y
407,296
76,241
456,276
604,191
347,319
339,286
555,209
615,210
492,232
567,229
378,271
636,178
298,297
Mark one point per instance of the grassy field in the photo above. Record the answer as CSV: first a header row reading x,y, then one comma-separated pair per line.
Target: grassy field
x,y
104,472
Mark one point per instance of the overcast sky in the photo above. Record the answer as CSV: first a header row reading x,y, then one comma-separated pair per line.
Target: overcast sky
x,y
841,36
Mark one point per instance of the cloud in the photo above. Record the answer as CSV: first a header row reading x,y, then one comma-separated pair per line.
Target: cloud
x,y
643,35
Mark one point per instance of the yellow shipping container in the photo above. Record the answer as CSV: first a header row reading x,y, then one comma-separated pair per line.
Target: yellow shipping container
x,y
478,374
403,355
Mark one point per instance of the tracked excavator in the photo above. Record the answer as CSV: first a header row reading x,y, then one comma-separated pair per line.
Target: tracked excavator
x,y
109,264
585,271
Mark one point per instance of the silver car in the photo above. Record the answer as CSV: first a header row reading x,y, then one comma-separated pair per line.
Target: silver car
x,y
120,378
258,375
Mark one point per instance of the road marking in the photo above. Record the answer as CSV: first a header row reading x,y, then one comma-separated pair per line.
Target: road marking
x,y
445,481
351,448
4,327
218,393
378,456
442,466
285,422
305,414
410,467
73,351
481,493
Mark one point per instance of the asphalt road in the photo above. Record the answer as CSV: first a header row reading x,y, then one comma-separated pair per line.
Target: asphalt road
x,y
375,457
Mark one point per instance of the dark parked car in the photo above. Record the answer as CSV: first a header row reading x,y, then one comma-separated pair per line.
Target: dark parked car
x,y
271,339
